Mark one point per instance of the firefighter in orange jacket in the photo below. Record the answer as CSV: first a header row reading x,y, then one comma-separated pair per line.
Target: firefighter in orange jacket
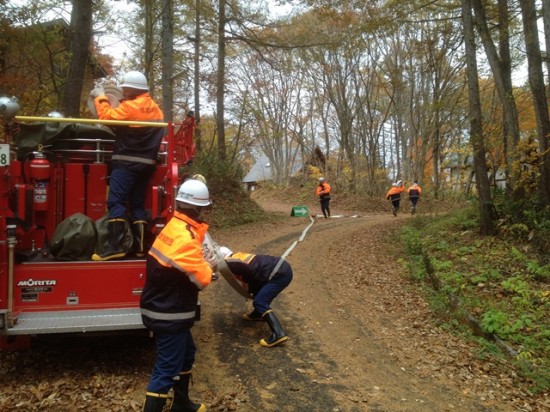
x,y
394,195
323,191
415,192
133,162
265,276
176,271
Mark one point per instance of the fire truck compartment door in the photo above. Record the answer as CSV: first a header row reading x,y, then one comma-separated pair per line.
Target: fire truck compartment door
x,y
86,189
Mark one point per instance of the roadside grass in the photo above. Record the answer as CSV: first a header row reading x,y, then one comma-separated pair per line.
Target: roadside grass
x,y
495,289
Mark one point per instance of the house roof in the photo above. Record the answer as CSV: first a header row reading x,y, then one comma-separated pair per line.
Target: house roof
x,y
262,169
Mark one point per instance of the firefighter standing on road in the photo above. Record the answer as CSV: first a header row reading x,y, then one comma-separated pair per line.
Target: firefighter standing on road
x,y
323,191
394,195
415,192
133,162
266,276
176,271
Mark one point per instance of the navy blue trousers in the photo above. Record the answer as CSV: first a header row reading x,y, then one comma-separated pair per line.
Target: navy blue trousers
x,y
272,288
128,188
175,354
325,208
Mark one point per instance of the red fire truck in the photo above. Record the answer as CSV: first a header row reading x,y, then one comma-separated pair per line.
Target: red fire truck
x,y
52,168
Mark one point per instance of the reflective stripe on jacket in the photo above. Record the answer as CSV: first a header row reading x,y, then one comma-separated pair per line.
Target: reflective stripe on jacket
x,y
134,144
176,271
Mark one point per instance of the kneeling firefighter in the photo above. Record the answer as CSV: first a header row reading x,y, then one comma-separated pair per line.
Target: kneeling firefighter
x,y
176,271
266,277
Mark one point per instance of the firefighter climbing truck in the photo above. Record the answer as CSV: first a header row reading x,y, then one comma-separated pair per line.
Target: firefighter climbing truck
x,y
51,169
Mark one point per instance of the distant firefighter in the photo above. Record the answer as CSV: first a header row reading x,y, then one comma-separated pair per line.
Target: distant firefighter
x,y
415,192
323,192
394,195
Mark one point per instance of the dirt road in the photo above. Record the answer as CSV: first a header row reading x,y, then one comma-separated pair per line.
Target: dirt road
x,y
361,339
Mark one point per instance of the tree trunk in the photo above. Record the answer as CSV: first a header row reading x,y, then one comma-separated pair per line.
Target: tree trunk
x,y
197,74
81,36
536,81
167,60
220,82
502,74
148,46
546,22
476,129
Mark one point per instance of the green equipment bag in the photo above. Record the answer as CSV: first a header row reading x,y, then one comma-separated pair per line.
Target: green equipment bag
x,y
75,238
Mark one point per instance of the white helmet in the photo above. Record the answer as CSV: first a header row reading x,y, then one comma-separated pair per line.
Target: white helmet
x,y
225,251
321,179
134,80
194,192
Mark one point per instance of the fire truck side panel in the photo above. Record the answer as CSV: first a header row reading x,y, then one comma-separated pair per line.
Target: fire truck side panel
x,y
54,286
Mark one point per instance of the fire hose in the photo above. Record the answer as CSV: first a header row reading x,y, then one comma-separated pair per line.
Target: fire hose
x,y
226,273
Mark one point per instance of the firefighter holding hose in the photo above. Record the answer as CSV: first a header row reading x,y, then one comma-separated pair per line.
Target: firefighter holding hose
x,y
133,161
176,271
265,276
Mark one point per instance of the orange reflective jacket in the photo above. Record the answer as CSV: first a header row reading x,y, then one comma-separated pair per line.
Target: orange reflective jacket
x,y
135,146
142,108
394,191
179,246
323,190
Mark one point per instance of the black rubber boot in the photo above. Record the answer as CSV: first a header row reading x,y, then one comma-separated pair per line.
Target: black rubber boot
x,y
254,315
138,228
154,402
116,228
182,403
277,333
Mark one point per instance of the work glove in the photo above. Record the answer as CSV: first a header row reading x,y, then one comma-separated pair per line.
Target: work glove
x,y
97,91
211,258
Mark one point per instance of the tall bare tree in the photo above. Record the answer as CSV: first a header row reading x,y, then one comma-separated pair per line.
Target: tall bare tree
x,y
167,60
536,81
476,129
501,67
80,34
220,81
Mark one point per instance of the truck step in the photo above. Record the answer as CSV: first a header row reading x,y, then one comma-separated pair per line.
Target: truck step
x,y
32,323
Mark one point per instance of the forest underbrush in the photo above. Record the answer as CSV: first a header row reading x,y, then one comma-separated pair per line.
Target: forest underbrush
x,y
494,289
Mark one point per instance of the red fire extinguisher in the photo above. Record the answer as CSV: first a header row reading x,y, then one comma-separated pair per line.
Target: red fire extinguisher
x,y
40,175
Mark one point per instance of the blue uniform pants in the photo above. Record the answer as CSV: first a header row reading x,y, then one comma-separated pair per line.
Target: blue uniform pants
x,y
128,187
175,354
272,288
325,208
